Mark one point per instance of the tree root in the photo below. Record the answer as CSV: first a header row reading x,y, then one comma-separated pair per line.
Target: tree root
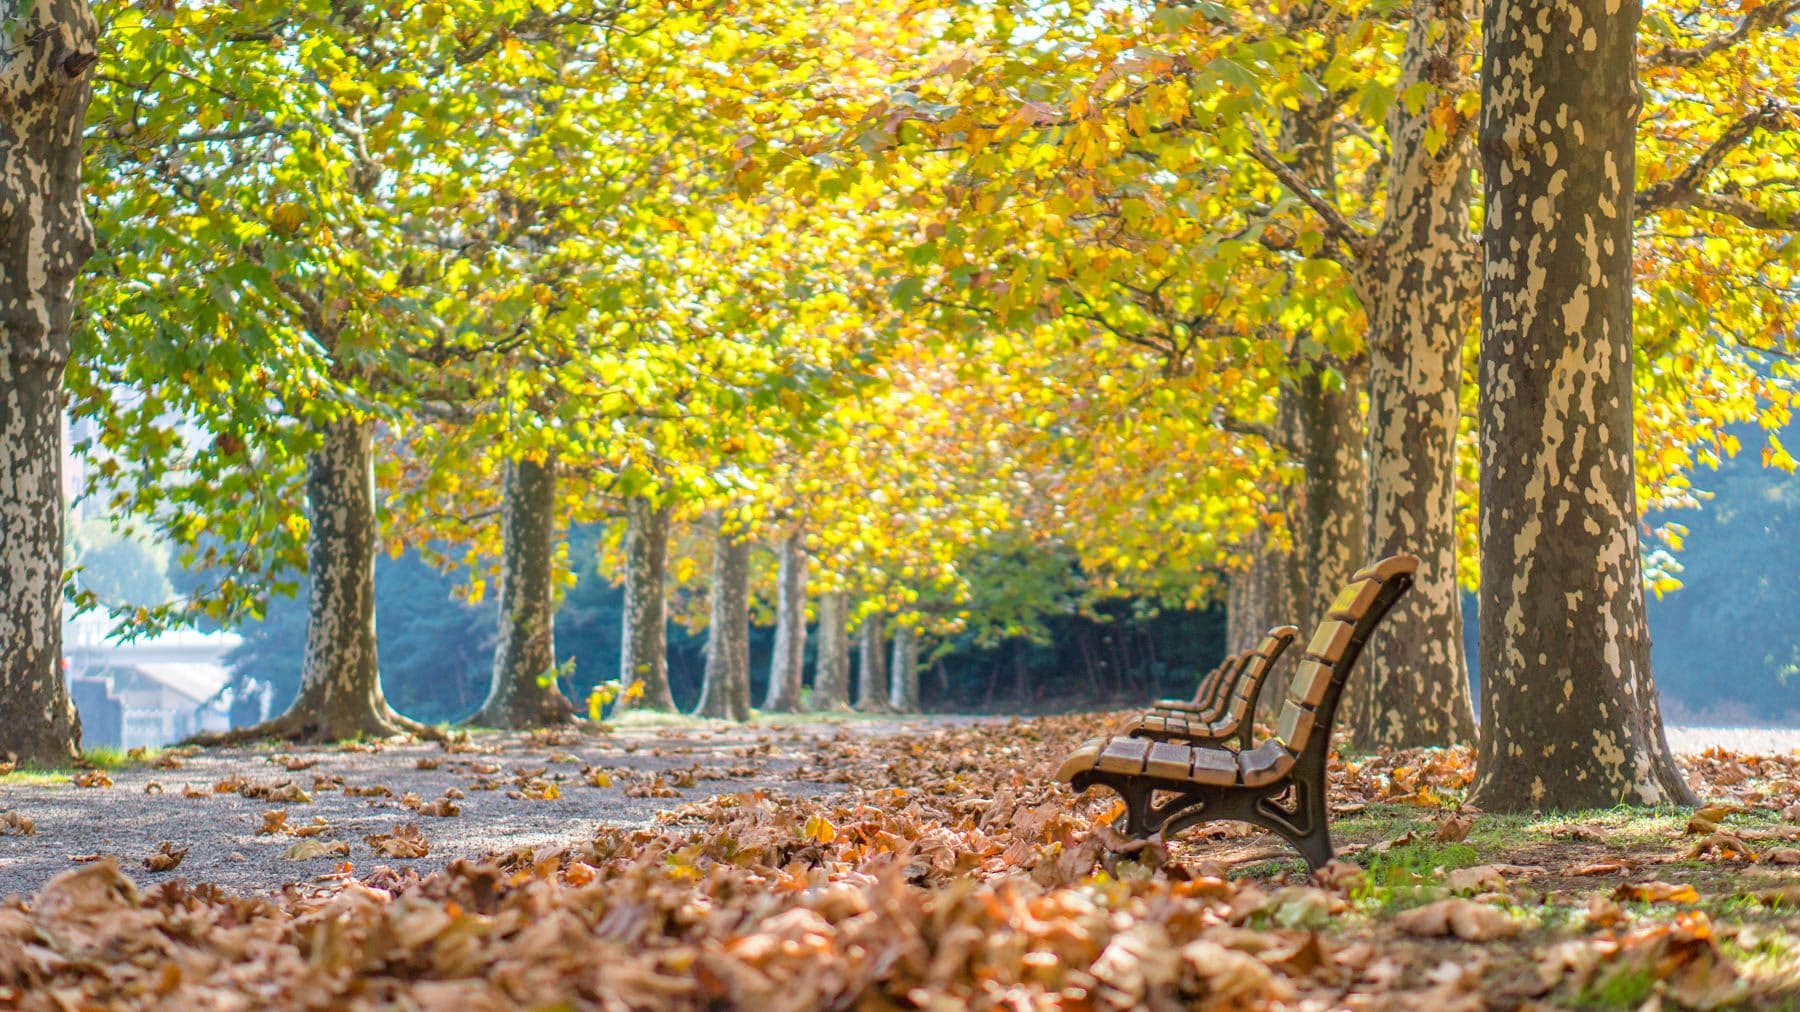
x,y
301,726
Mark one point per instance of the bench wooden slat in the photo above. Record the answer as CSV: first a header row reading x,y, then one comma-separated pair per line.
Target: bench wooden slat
x,y
1353,601
1124,755
1330,641
1265,764
1294,727
1311,680
1170,760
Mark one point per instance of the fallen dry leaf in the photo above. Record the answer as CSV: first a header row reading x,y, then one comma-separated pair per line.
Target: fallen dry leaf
x,y
1484,878
307,850
405,842
1721,847
1460,918
167,856
1657,892
1454,828
93,778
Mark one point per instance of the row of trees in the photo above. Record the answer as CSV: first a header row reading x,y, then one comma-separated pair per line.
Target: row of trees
x,y
1176,298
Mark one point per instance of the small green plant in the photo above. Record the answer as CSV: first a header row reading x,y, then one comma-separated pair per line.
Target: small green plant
x,y
1621,987
107,758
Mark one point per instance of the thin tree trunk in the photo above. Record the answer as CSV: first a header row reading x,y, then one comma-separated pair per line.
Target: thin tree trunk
x,y
831,678
1331,424
1414,686
45,239
1569,715
523,692
787,666
903,674
644,654
725,694
340,683
872,689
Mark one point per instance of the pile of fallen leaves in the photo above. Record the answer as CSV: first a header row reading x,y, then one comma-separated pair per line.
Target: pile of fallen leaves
x,y
951,874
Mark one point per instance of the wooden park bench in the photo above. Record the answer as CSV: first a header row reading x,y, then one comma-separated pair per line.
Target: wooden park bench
x,y
1278,785
1232,710
1209,688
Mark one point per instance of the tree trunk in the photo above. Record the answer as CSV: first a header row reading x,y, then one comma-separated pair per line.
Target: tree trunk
x,y
1324,421
644,654
1331,536
1416,291
903,676
872,688
725,694
831,678
523,692
787,666
45,239
1569,715
340,683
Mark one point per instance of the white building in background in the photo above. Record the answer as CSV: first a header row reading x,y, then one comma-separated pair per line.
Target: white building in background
x,y
162,688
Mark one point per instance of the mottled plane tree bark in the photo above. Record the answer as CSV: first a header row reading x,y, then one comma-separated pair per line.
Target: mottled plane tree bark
x,y
1417,280
872,683
725,692
1569,717
787,665
523,692
1413,277
47,49
340,679
903,674
644,654
831,671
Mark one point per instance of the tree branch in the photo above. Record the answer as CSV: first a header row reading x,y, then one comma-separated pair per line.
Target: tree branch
x,y
1768,17
1684,189
1336,225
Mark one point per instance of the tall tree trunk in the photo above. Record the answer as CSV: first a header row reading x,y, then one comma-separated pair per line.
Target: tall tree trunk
x,y
1569,715
1331,536
872,688
1416,291
831,677
1323,420
1320,419
44,240
523,692
644,654
787,666
726,692
340,683
903,674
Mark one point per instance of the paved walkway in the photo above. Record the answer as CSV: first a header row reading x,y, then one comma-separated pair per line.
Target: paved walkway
x,y
214,803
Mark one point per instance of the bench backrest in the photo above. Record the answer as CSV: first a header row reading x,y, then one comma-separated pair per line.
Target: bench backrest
x,y
1225,678
1251,680
1209,682
1318,684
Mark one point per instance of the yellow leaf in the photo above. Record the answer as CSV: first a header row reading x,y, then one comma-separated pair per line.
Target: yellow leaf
x,y
820,830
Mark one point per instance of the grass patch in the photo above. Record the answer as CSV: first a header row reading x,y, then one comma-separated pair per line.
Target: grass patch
x,y
1625,987
100,758
107,758
33,778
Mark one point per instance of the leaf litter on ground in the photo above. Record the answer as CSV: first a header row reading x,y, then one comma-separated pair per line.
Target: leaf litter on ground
x,y
952,873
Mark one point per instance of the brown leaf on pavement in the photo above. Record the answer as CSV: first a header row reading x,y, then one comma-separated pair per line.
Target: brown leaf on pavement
x,y
167,856
405,842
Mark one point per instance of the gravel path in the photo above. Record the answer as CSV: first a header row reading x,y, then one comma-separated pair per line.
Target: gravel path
x,y
214,803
